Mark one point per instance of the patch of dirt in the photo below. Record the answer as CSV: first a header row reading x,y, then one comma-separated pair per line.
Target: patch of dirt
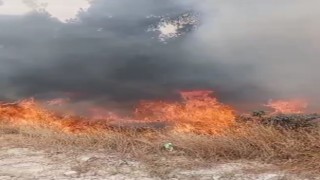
x,y
22,162
25,163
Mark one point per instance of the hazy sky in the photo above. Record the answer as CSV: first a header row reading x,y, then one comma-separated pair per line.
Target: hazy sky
x,y
124,50
61,9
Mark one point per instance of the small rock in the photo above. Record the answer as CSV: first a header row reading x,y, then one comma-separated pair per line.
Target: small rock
x,y
86,158
123,162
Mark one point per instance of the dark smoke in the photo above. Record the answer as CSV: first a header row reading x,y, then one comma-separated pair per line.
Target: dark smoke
x,y
247,53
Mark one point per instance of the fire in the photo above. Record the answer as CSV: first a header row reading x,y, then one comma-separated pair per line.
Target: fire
x,y
199,112
30,113
294,106
98,113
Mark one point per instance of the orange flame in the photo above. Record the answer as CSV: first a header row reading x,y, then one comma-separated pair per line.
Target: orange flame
x,y
30,113
98,113
199,112
294,106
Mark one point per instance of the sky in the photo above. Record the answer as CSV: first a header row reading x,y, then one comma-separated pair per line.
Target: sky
x,y
60,9
121,51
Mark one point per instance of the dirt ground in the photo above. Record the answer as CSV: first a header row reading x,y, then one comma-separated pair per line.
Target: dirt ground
x,y
23,162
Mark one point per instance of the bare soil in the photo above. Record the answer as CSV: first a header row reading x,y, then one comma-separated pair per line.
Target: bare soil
x,y
22,159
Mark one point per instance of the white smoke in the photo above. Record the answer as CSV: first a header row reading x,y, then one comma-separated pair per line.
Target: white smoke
x,y
279,40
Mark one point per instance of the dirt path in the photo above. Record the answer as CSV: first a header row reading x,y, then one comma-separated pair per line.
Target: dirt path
x,y
24,163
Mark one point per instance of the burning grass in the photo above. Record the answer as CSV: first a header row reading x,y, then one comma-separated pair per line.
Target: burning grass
x,y
198,112
200,128
297,149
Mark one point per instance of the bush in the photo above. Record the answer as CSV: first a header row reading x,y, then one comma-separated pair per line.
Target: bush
x,y
287,121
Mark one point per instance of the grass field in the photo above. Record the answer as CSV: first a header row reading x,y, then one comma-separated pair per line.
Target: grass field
x,y
293,149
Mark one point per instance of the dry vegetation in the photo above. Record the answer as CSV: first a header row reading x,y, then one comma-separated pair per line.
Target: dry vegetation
x,y
201,130
257,138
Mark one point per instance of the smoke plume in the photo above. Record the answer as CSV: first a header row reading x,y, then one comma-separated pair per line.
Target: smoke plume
x,y
122,51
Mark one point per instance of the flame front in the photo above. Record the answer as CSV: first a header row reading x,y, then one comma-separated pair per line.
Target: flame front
x,y
294,106
199,112
30,113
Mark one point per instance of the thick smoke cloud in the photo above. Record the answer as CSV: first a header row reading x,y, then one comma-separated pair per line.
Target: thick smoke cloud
x,y
279,39
246,51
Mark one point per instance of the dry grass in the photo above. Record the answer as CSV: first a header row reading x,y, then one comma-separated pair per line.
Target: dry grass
x,y
297,149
